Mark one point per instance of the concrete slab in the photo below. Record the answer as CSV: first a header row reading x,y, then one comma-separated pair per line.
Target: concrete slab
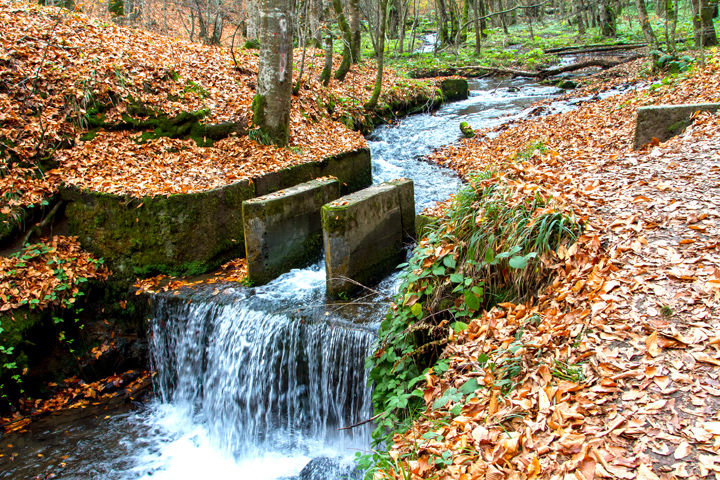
x,y
363,235
665,121
283,229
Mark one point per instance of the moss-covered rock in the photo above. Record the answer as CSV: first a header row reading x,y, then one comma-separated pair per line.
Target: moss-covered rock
x,y
467,130
454,89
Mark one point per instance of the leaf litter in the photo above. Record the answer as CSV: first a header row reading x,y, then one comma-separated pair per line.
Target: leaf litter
x,y
616,362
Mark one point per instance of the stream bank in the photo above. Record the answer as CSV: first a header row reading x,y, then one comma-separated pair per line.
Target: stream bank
x,y
168,435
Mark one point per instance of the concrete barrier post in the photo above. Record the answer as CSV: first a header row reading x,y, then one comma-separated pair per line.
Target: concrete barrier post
x,y
363,235
665,121
283,230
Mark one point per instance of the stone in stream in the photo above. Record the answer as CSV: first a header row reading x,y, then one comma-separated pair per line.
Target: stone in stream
x,y
467,130
454,89
665,121
283,229
363,235
327,468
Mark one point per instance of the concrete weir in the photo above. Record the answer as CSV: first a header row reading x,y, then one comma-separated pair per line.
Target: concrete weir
x,y
189,234
283,229
363,234
665,121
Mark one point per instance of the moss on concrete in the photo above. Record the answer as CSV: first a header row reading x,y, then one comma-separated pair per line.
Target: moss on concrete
x,y
176,235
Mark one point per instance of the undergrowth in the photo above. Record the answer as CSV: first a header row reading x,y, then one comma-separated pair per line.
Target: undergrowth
x,y
491,248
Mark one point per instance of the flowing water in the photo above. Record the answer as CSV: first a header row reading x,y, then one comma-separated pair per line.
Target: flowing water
x,y
254,383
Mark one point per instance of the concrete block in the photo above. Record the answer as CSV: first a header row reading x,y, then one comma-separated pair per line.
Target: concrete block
x,y
665,121
352,169
363,235
283,229
406,193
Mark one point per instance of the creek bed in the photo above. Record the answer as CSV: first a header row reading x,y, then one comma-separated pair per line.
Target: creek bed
x,y
254,383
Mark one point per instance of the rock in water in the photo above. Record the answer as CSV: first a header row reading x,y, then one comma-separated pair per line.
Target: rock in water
x,y
327,468
567,84
467,130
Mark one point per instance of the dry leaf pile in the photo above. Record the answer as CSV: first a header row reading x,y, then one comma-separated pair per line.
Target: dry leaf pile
x,y
47,273
232,271
615,365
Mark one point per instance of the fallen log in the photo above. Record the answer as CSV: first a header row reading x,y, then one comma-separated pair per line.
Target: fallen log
x,y
551,72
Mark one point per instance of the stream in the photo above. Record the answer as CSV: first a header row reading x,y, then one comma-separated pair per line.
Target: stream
x,y
253,383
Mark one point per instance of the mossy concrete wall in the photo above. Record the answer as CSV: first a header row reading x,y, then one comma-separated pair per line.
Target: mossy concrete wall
x,y
352,169
363,236
665,121
283,229
179,234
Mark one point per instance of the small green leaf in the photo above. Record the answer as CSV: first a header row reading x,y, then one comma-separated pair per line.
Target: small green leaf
x,y
469,387
472,301
518,262
416,310
456,278
459,326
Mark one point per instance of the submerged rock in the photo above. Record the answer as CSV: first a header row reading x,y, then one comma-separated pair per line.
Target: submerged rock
x,y
327,468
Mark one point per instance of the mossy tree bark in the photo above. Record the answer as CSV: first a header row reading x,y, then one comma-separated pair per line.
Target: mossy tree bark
x,y
271,105
442,23
380,54
314,15
354,12
645,24
347,41
608,19
252,19
703,23
327,69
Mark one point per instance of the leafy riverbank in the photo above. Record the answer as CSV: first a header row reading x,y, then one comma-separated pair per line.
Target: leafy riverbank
x,y
608,368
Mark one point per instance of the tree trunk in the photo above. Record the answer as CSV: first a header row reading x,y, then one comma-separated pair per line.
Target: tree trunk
x,y
443,23
327,69
314,14
380,54
347,41
465,17
645,24
608,20
354,7
253,19
703,23
580,19
271,105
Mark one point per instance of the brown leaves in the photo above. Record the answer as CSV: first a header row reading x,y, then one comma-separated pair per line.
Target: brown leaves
x,y
34,282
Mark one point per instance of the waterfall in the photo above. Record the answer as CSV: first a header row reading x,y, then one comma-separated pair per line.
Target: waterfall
x,y
261,377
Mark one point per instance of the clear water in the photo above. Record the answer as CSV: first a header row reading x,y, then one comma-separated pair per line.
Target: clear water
x,y
254,383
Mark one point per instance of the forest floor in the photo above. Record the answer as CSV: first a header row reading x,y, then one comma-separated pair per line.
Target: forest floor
x,y
618,358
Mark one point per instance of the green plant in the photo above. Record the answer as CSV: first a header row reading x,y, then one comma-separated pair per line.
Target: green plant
x,y
666,311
